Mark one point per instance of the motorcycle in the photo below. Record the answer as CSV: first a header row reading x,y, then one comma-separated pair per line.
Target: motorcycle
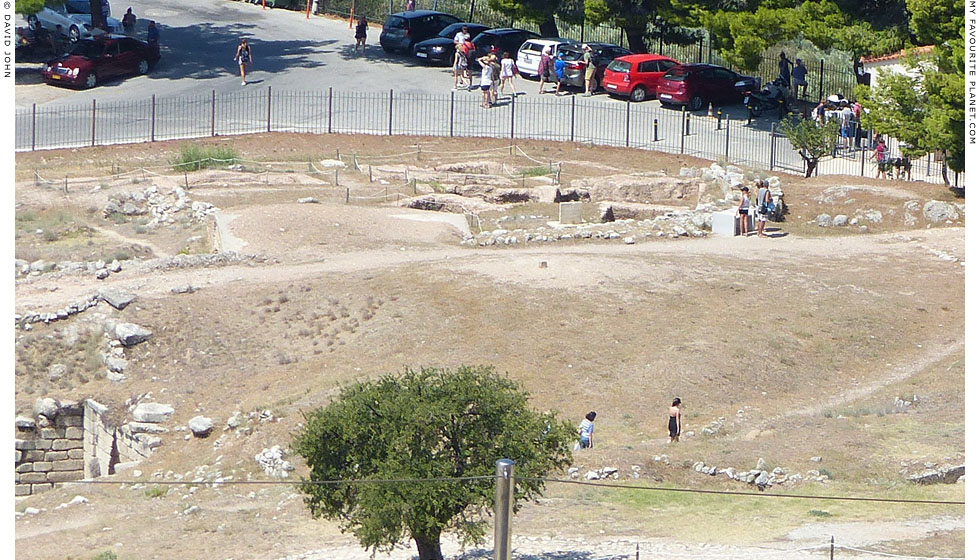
x,y
38,44
774,95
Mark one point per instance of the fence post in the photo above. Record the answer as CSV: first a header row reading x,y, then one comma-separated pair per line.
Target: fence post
x,y
93,122
863,154
572,136
831,547
719,120
503,506
212,112
683,117
513,110
472,7
656,125
628,123
391,108
347,198
772,146
33,125
268,110
330,111
701,49
821,80
728,127
687,124
153,117
452,109
622,33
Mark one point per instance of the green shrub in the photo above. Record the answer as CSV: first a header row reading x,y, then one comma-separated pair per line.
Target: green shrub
x,y
193,157
105,555
155,492
818,513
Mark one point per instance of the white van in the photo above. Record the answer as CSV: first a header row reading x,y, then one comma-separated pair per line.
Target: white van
x,y
529,55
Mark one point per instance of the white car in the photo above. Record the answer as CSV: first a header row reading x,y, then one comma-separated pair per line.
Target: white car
x,y
529,55
74,26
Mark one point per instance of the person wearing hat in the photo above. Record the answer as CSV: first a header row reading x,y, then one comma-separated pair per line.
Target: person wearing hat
x,y
544,67
743,212
589,70
674,421
799,79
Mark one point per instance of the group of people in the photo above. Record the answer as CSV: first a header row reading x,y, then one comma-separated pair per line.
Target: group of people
x,y
849,115
794,76
762,209
586,428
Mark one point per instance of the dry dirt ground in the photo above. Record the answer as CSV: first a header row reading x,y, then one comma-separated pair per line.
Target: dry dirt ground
x,y
792,347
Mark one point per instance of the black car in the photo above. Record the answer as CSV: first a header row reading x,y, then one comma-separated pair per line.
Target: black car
x,y
602,55
505,39
441,49
403,30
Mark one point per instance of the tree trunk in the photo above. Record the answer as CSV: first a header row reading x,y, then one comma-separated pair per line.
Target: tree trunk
x,y
634,38
811,166
945,172
95,7
548,28
429,548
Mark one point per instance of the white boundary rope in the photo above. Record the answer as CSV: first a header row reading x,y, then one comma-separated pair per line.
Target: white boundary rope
x,y
861,550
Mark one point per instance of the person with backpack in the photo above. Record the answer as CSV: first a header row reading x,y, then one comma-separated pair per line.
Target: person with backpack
x,y
559,74
589,70
880,155
459,67
469,49
244,57
763,203
544,67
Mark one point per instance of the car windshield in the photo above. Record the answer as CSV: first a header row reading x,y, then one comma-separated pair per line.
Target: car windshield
x,y
450,30
78,7
676,75
395,22
618,66
88,49
533,47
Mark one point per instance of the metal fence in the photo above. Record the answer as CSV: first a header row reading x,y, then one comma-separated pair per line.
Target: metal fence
x,y
457,114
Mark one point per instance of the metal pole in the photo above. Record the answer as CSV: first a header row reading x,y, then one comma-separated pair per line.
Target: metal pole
x,y
513,109
831,547
472,7
391,108
93,122
772,146
683,116
330,115
33,125
268,110
627,123
701,49
728,127
153,117
503,508
821,80
212,112
452,108
656,125
572,136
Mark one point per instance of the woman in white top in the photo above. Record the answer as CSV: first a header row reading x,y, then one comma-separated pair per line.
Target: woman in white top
x,y
507,73
486,79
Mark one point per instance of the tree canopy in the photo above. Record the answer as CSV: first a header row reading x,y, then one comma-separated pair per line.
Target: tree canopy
x,y
812,139
28,7
424,424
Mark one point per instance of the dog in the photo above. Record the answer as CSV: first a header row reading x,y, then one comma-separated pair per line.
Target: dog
x,y
899,168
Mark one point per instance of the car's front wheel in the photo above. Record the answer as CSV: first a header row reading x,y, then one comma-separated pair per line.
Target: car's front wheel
x,y
33,23
638,94
144,66
91,80
73,34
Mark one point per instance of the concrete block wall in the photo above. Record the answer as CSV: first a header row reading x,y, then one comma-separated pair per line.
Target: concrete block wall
x,y
79,443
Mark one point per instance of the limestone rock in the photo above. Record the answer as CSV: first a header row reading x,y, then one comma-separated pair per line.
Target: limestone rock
x,y
131,334
824,220
840,220
153,412
24,423
102,273
937,211
115,365
117,298
46,407
201,426
308,200
57,371
271,461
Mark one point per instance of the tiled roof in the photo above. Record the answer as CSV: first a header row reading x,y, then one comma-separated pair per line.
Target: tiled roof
x,y
895,56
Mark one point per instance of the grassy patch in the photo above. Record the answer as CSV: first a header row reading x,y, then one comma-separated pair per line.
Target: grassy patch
x,y
155,492
193,157
536,171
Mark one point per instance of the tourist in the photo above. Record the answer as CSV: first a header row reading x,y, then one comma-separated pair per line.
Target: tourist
x,y
360,35
243,55
507,73
743,212
585,431
799,79
674,421
544,67
762,201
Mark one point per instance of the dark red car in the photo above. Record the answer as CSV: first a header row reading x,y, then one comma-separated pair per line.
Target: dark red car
x,y
95,60
636,76
695,85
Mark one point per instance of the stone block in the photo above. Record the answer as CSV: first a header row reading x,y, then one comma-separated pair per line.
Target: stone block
x,y
35,455
570,213
42,444
73,433
42,466
22,490
68,465
25,467
76,453
96,407
52,433
72,420
726,223
56,455
18,456
63,444
32,477
65,476
153,412
35,488
24,444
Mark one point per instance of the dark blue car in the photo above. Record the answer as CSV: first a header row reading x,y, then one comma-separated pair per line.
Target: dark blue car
x,y
440,50
403,30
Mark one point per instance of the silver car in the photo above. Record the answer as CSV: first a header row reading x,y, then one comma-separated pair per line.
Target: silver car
x,y
73,25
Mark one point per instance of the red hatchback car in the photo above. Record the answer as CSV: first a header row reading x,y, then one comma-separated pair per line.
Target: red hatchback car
x,y
637,75
92,61
695,85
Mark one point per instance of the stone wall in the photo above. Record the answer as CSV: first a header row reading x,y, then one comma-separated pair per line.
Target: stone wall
x,y
70,441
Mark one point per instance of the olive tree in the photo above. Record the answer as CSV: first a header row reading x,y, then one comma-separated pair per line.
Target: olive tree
x,y
434,426
811,139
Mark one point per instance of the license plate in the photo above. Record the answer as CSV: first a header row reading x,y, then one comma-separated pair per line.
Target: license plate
x,y
666,96
422,55
746,100
611,86
55,77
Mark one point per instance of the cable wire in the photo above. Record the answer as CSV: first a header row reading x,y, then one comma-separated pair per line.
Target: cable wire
x,y
896,555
